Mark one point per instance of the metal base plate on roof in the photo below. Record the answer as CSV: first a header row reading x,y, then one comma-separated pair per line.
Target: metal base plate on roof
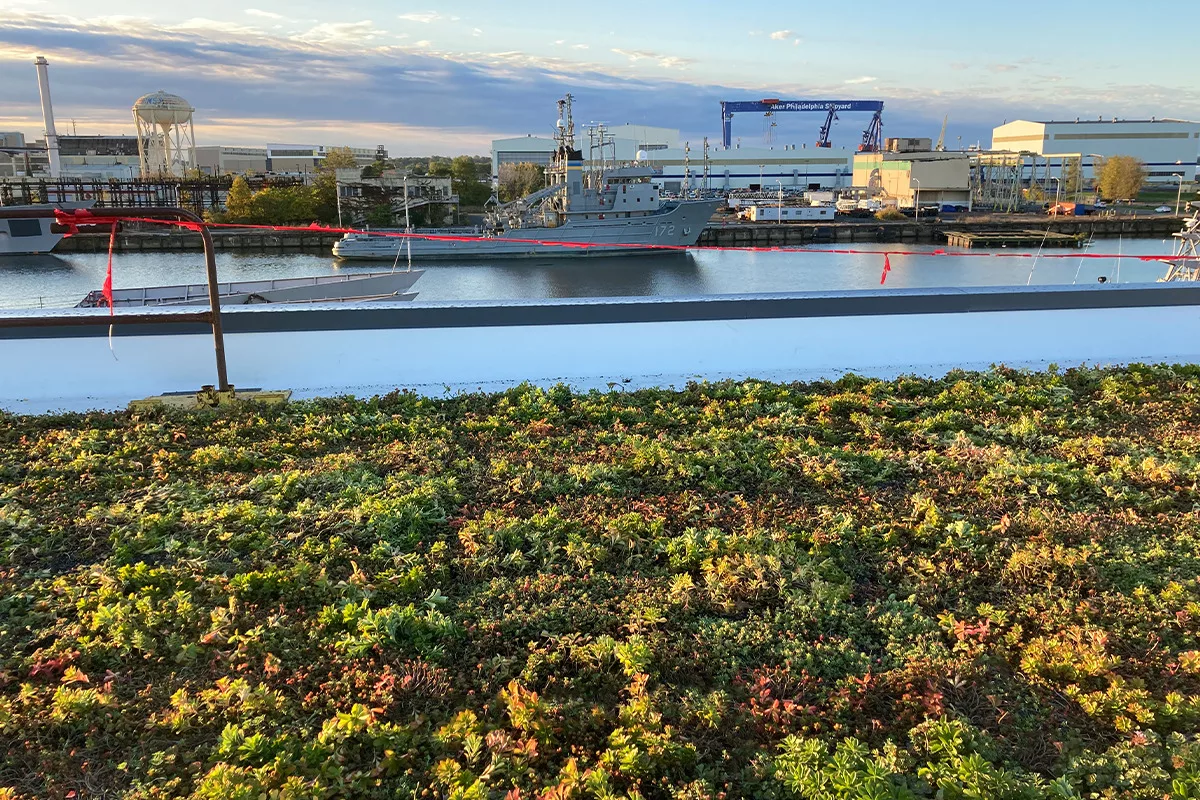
x,y
210,397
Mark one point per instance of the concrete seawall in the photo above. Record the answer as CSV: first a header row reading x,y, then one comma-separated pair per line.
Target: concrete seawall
x,y
766,234
762,234
54,363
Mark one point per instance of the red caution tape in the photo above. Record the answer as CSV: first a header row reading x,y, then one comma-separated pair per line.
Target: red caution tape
x,y
107,290
67,219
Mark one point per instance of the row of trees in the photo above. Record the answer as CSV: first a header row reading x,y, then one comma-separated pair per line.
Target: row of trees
x,y
291,205
288,205
1115,178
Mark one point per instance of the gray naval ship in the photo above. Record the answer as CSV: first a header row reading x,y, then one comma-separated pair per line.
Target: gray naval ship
x,y
611,211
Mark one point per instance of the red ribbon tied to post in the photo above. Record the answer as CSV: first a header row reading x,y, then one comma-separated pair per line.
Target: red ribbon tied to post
x,y
887,267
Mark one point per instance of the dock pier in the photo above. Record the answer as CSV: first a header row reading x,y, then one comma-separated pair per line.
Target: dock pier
x,y
1017,232
1028,238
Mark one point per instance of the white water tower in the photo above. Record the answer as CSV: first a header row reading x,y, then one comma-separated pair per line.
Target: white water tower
x,y
166,136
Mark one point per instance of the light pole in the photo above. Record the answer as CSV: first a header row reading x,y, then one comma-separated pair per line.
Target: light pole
x,y
780,214
1179,193
1057,192
917,200
760,174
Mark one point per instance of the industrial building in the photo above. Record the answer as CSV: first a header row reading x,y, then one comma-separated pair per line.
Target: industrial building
x,y
300,159
1168,147
754,168
227,160
626,142
676,164
84,157
358,195
906,179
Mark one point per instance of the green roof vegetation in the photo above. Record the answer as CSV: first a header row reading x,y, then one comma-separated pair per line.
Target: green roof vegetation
x,y
983,586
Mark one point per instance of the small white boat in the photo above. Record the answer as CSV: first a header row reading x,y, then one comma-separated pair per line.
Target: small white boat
x,y
31,235
339,288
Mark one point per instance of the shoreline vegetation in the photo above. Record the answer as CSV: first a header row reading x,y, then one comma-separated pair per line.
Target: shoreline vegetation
x,y
980,586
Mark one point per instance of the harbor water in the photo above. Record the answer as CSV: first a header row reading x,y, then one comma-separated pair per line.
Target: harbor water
x,y
54,281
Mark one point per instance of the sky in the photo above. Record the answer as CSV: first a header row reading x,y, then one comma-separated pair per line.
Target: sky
x,y
447,77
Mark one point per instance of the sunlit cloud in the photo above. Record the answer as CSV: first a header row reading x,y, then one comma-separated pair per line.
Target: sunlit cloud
x,y
353,83
257,12
425,17
341,32
664,61
782,35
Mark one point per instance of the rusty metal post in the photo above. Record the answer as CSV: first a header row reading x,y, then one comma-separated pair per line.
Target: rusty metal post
x,y
213,316
214,300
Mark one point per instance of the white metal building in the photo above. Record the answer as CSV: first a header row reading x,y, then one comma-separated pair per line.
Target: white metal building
x,y
757,168
661,148
628,141
1168,147
305,158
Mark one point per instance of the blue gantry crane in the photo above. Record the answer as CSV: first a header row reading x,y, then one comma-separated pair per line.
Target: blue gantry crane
x,y
871,139
823,137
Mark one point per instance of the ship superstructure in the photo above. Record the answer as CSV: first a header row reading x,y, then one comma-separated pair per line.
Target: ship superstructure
x,y
606,209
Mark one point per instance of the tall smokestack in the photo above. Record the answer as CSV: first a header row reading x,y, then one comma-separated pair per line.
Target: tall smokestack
x,y
48,115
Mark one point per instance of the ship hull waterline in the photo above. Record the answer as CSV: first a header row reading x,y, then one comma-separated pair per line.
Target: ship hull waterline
x,y
667,233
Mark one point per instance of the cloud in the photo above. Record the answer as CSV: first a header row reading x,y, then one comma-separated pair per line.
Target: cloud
x,y
959,66
351,85
256,12
1004,67
579,47
863,79
781,36
341,32
664,61
476,32
423,17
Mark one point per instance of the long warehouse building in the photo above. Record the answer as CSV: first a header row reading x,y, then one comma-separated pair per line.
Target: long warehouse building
x,y
786,167
1168,147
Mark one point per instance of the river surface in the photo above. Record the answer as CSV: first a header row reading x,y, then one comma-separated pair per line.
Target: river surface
x,y
62,281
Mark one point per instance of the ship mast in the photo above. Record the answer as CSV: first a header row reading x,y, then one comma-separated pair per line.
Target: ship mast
x,y
1184,265
564,136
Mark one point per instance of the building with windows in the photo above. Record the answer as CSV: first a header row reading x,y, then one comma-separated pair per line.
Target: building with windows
x,y
682,163
755,168
905,179
84,157
231,160
99,157
627,142
1168,147
300,159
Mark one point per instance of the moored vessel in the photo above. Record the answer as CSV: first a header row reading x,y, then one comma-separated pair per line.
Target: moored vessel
x,y
608,211
25,236
338,288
